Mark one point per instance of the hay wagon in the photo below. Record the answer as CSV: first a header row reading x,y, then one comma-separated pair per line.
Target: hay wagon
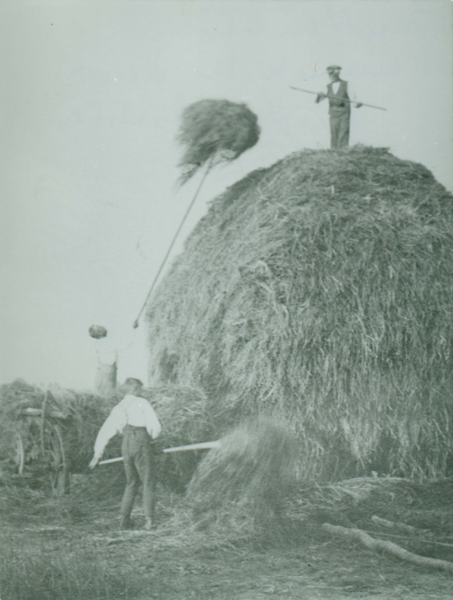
x,y
40,437
53,437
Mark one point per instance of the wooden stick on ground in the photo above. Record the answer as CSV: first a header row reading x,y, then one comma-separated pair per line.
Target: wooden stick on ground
x,y
389,547
412,538
400,526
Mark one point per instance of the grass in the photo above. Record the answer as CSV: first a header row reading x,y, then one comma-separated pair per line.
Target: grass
x,y
33,572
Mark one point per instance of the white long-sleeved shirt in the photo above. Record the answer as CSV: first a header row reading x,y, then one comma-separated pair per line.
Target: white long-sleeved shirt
x,y
132,410
106,350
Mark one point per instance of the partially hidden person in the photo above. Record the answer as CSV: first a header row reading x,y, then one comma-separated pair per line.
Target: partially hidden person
x,y
107,355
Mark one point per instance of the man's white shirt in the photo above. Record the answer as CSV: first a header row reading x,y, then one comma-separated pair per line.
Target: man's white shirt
x,y
106,350
132,410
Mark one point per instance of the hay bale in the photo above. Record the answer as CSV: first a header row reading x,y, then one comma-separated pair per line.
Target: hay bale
x,y
215,129
321,290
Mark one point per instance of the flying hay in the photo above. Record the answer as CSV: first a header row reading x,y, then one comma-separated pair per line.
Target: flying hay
x,y
244,482
215,129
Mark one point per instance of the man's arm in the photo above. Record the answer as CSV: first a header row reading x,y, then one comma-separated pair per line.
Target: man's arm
x,y
113,425
320,96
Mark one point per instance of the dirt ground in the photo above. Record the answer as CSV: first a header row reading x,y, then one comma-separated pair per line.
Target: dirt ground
x,y
70,548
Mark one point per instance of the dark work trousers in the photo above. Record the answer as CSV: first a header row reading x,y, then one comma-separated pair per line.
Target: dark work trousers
x,y
339,128
139,466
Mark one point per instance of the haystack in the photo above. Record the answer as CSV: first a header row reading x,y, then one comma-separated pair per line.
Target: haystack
x,y
320,290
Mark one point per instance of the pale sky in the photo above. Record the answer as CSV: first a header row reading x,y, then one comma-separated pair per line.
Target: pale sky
x,y
92,94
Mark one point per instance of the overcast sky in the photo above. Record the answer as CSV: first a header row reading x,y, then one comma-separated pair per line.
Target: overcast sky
x,y
92,94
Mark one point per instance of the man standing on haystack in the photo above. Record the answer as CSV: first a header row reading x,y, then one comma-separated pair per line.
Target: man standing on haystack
x,y
338,92
136,420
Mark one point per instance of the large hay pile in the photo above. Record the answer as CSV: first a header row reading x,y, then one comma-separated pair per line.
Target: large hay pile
x,y
321,290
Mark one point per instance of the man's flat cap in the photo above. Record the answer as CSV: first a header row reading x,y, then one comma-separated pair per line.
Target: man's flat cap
x,y
334,68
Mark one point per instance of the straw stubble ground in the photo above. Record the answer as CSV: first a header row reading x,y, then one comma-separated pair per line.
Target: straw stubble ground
x,y
68,548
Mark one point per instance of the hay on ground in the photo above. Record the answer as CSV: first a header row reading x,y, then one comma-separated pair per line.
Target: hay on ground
x,y
243,484
321,290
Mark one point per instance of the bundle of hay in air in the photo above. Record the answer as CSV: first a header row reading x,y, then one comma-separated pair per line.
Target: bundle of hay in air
x,y
217,130
320,290
212,131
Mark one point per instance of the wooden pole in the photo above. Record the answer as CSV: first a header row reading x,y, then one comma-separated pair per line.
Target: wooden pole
x,y
208,168
200,446
390,547
334,98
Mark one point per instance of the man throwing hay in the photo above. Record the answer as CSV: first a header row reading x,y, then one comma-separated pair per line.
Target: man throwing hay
x,y
136,420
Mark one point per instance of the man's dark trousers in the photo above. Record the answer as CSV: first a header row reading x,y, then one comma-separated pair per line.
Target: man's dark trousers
x,y
339,128
139,466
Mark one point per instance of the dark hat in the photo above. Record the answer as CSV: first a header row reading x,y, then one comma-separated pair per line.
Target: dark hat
x,y
333,68
97,331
